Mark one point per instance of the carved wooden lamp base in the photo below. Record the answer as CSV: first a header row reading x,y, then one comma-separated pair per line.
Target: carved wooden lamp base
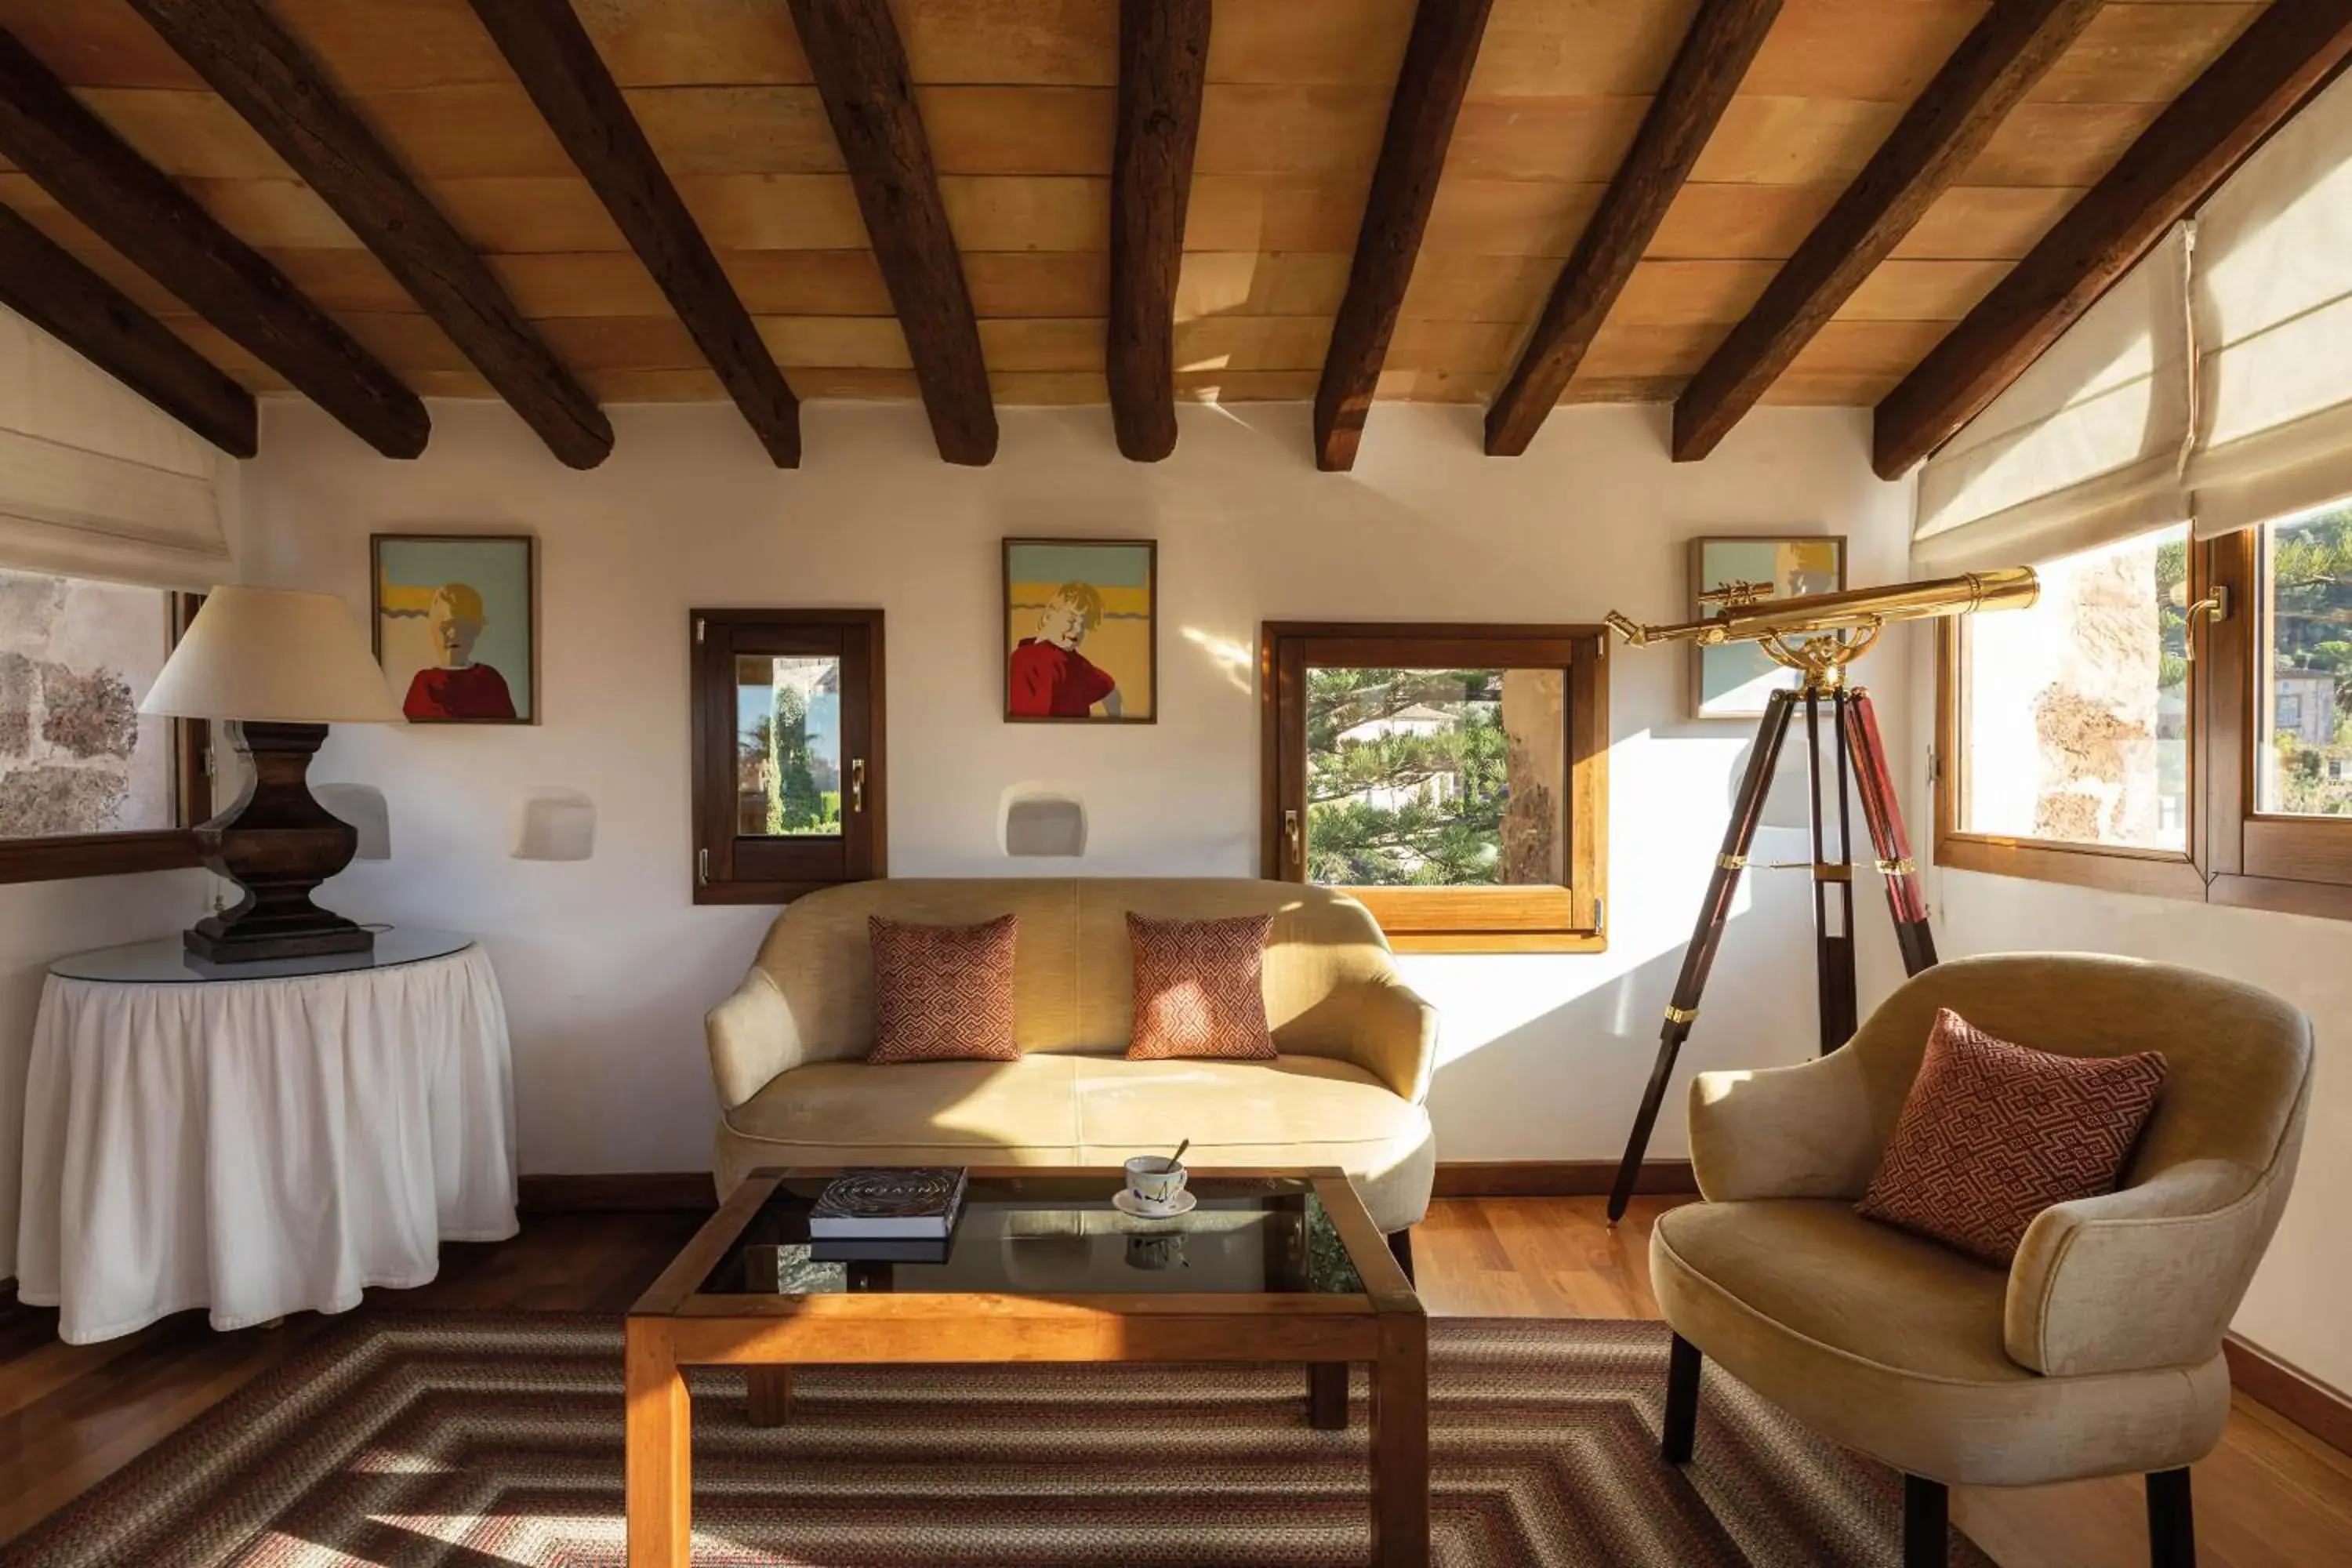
x,y
278,842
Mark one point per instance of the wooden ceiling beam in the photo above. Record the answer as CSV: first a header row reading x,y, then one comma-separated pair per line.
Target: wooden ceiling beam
x,y
1163,56
1438,58
860,66
272,81
44,283
549,49
2284,56
1707,70
95,176
1946,127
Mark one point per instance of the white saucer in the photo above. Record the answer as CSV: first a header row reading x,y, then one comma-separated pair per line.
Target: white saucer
x,y
1126,1203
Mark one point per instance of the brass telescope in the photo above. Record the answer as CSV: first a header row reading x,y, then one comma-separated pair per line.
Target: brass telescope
x,y
1830,629
1818,635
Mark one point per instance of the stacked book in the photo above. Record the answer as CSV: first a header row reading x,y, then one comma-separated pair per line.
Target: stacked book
x,y
887,1216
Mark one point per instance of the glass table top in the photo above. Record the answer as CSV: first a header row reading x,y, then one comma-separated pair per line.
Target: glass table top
x,y
167,962
1049,1235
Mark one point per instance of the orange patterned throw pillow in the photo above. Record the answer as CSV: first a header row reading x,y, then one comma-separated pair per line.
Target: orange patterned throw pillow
x,y
943,992
1200,988
1992,1133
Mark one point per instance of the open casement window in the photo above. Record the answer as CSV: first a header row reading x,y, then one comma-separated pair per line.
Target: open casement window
x,y
88,786
1452,777
2069,733
788,766
2281,703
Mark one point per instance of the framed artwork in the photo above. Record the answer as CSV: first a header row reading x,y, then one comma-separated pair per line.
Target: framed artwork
x,y
1081,631
456,618
1734,681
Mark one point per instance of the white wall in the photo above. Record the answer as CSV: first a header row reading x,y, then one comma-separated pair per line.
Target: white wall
x,y
43,920
606,964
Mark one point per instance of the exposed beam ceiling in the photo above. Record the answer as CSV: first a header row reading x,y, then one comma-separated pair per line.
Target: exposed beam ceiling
x,y
1438,58
2287,53
860,66
1164,59
549,49
92,173
273,83
1714,55
1944,130
42,282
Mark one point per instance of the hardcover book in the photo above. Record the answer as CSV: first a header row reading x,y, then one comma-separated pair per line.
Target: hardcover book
x,y
916,1204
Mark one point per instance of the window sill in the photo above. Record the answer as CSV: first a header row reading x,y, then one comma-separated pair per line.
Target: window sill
x,y
1498,941
97,855
2153,872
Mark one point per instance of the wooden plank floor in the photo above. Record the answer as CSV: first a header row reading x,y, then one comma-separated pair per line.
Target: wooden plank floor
x,y
69,1415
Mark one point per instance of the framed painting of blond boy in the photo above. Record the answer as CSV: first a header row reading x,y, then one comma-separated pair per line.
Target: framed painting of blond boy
x,y
1081,631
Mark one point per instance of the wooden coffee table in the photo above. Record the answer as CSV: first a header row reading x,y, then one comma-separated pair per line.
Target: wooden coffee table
x,y
1274,1265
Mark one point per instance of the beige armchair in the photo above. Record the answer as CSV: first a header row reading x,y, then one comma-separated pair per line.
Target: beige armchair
x,y
2098,1352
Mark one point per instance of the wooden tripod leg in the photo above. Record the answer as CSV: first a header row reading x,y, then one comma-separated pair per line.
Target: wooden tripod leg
x,y
1697,958
1906,902
1835,1006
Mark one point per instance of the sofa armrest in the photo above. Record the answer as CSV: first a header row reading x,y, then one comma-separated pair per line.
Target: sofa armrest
x,y
1386,1029
2145,1277
751,1037
1802,1131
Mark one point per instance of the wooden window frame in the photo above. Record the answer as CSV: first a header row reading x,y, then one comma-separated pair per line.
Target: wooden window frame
x,y
64,857
723,871
1452,920
2236,855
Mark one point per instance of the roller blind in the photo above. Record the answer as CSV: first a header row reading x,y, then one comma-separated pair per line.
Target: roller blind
x,y
2274,303
2086,446
97,482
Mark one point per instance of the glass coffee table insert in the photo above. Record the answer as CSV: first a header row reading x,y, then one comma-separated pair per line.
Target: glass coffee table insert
x,y
1057,1234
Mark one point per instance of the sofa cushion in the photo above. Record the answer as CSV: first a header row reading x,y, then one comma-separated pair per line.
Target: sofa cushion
x,y
943,992
1292,1112
1894,1344
1199,988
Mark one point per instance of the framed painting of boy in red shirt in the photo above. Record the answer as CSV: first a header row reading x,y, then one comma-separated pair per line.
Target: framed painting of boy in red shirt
x,y
1082,631
455,626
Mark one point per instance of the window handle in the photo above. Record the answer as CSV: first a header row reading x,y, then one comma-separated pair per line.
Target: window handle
x,y
2216,604
857,783
702,868
1290,835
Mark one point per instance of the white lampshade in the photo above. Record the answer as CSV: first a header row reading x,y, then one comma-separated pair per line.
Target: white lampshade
x,y
273,656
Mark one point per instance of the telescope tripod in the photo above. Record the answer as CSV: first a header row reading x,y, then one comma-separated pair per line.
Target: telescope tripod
x,y
1860,749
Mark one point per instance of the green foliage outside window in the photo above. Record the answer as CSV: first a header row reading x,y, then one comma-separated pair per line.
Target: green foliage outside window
x,y
2310,584
1407,777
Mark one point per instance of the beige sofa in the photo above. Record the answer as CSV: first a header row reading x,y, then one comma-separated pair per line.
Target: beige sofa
x,y
788,1049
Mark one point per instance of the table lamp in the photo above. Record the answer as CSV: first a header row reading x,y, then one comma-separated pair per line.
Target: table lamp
x,y
277,666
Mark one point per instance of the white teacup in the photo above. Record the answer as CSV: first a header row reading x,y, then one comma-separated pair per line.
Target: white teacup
x,y
1155,1180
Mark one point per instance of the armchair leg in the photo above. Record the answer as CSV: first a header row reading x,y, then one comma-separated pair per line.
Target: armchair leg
x,y
1401,1247
2171,1529
1683,1364
1926,1522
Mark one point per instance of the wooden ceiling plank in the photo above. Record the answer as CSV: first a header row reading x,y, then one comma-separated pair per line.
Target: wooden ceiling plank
x,y
551,53
1723,40
1163,51
41,281
860,65
93,174
1938,137
2270,71
1438,60
272,82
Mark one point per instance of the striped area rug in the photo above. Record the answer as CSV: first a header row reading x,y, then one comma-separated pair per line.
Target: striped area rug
x,y
476,1440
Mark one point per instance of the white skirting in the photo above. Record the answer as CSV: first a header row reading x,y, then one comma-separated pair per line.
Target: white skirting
x,y
257,1147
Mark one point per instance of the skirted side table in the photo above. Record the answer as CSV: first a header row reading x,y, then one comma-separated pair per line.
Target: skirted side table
x,y
261,1138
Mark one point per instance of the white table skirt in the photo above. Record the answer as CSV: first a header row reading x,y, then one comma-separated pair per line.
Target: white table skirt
x,y
260,1146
